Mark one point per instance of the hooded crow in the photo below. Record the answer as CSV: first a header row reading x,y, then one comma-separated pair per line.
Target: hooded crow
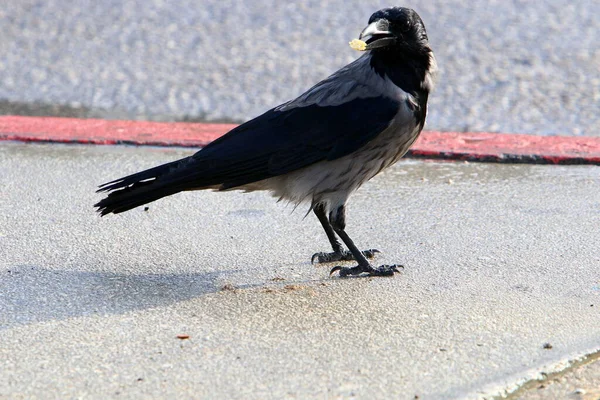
x,y
320,147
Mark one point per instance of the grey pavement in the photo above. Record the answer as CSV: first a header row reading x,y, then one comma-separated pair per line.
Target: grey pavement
x,y
499,261
505,66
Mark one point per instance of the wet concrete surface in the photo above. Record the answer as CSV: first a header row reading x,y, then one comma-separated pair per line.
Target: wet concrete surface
x,y
499,260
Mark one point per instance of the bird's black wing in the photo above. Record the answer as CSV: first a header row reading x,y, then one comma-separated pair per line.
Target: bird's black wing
x,y
281,141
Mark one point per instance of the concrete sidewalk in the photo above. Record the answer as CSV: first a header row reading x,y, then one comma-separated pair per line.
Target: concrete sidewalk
x,y
500,261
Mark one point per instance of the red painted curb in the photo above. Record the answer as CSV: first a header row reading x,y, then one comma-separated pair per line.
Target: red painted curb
x,y
490,147
99,131
508,148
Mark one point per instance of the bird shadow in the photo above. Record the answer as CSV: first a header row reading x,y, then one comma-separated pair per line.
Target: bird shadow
x,y
30,294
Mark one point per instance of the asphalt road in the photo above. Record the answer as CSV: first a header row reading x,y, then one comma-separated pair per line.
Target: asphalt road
x,y
499,261
505,66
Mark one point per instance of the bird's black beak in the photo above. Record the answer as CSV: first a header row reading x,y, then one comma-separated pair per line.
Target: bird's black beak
x,y
377,34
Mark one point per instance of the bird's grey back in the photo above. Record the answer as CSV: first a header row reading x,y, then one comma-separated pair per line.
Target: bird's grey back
x,y
355,81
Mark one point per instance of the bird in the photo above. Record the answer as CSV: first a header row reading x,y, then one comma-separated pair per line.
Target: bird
x,y
319,148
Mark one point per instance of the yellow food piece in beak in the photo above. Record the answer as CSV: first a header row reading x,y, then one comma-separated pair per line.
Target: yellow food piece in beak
x,y
358,44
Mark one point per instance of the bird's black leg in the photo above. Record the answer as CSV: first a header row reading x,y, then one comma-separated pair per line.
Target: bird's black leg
x,y
337,219
339,254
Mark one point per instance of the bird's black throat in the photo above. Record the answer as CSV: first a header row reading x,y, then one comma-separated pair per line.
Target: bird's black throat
x,y
408,71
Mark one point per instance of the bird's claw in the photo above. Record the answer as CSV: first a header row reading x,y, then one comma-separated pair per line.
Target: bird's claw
x,y
384,270
344,255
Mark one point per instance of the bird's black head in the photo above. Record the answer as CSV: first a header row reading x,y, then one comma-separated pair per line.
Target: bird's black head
x,y
399,50
396,28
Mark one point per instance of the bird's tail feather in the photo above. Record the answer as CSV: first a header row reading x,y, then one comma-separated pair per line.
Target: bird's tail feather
x,y
138,189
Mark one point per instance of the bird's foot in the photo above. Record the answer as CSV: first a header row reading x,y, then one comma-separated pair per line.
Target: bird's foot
x,y
384,270
343,255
